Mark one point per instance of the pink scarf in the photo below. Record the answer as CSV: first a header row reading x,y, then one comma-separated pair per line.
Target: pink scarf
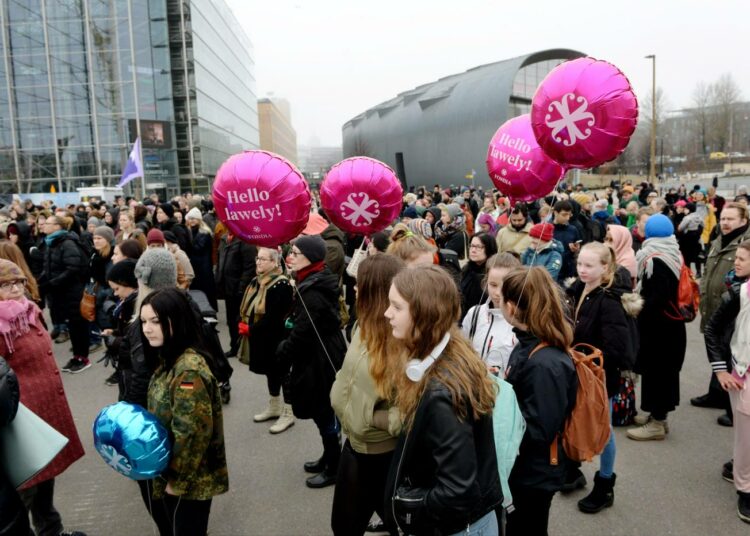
x,y
16,318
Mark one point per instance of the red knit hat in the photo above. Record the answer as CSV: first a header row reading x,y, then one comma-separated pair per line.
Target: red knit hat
x,y
542,231
155,236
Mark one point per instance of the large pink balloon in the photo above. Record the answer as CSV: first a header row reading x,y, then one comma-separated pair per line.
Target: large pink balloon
x,y
361,195
517,165
584,112
261,198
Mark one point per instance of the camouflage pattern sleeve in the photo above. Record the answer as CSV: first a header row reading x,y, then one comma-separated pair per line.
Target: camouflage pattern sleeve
x,y
192,427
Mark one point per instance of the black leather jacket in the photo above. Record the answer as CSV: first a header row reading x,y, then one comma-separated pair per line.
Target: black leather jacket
x,y
720,328
444,473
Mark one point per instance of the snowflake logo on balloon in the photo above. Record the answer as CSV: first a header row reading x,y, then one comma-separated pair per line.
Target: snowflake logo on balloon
x,y
256,229
114,459
367,209
569,120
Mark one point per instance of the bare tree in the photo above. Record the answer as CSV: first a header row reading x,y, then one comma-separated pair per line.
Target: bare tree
x,y
726,95
703,95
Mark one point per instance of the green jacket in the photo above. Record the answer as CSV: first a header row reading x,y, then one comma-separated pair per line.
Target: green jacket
x,y
371,426
186,400
719,263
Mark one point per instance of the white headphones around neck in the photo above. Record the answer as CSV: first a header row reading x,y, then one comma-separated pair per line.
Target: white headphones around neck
x,y
416,368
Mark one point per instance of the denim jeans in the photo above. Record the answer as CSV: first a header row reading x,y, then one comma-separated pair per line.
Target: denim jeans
x,y
607,457
485,526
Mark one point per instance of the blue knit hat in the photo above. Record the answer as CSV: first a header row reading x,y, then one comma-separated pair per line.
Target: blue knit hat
x,y
410,212
659,226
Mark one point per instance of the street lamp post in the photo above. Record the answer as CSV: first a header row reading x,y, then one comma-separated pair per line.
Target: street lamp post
x,y
652,167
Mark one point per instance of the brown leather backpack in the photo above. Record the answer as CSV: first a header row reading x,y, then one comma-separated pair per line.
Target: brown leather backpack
x,y
587,428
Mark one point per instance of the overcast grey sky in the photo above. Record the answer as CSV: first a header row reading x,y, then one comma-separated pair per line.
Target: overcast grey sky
x,y
333,59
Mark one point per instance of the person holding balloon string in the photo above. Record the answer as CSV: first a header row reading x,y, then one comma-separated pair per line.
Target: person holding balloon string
x,y
185,397
314,350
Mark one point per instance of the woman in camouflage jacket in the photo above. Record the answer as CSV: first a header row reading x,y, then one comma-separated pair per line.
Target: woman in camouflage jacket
x,y
185,397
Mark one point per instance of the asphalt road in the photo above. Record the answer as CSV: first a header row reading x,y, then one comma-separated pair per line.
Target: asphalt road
x,y
663,487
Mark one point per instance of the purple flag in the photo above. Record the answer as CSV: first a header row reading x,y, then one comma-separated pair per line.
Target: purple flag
x,y
134,166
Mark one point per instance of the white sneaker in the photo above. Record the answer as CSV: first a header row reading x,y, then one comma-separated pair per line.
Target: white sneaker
x,y
272,411
285,421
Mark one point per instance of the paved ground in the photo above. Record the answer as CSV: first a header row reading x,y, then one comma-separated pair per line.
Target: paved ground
x,y
668,487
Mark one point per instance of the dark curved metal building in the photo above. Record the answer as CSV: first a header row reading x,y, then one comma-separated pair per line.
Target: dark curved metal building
x,y
439,132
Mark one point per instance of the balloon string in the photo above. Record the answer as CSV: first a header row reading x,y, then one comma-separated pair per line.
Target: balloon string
x,y
533,258
307,311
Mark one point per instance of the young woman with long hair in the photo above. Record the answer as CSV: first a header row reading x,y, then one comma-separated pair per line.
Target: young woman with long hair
x,y
444,475
602,300
484,325
729,360
545,382
371,423
185,397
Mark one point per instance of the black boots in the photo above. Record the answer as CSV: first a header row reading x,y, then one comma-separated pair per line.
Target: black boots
x,y
601,497
743,506
330,463
574,479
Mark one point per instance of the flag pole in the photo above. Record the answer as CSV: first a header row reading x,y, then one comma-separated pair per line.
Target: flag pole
x,y
143,174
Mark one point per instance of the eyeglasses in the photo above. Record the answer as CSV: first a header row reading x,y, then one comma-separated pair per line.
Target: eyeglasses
x,y
475,246
264,259
8,285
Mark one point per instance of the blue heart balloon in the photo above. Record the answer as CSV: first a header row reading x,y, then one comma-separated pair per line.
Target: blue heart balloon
x,y
132,441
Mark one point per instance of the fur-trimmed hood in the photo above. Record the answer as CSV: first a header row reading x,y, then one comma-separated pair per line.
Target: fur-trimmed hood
x,y
632,302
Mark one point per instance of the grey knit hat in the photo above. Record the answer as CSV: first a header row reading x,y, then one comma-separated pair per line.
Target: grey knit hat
x,y
157,269
105,232
93,220
455,210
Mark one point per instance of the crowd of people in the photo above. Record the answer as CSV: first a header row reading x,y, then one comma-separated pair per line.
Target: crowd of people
x,y
401,341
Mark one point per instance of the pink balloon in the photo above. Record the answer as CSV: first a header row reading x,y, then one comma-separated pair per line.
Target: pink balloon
x,y
584,112
517,165
361,195
261,198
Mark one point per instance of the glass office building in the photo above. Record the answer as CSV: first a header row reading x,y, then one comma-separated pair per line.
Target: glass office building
x,y
214,88
81,79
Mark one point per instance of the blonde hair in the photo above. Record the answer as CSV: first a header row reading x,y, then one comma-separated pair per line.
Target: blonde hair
x,y
374,277
459,369
607,257
407,245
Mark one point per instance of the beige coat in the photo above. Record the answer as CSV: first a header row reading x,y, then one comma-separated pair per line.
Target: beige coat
x,y
508,239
